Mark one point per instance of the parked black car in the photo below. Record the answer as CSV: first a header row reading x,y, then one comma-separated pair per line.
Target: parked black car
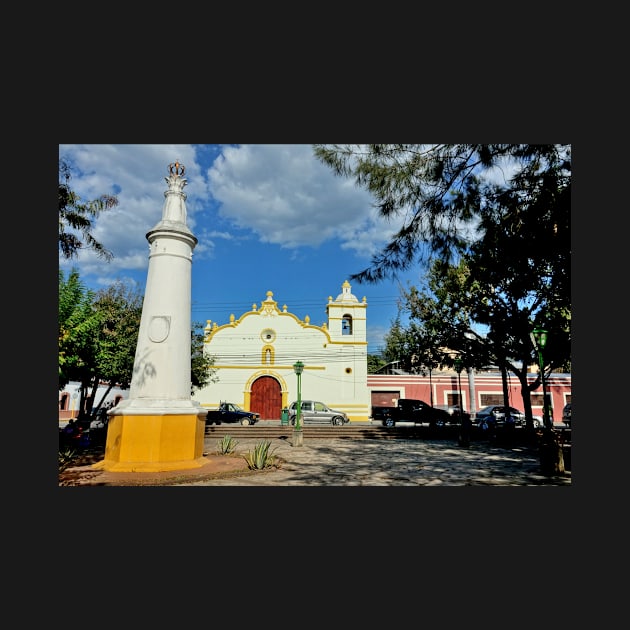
x,y
416,411
231,412
493,417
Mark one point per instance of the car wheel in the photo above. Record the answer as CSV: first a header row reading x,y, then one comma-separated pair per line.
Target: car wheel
x,y
245,422
388,422
337,421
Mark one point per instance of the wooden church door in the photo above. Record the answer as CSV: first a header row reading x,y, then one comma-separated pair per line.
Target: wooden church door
x,y
266,398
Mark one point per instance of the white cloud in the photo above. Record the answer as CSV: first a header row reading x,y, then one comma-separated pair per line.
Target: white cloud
x,y
279,192
288,198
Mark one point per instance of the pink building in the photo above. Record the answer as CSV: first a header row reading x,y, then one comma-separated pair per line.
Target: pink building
x,y
478,389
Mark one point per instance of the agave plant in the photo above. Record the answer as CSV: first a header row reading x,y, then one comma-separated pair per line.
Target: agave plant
x,y
226,445
260,457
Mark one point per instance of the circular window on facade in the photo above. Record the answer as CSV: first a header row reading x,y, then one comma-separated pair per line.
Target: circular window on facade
x,y
348,370
268,335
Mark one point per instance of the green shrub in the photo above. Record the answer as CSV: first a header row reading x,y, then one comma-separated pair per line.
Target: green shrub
x,y
226,445
260,457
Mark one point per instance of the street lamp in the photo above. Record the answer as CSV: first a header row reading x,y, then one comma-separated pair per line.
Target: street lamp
x,y
430,372
472,403
298,368
458,368
551,456
464,436
539,339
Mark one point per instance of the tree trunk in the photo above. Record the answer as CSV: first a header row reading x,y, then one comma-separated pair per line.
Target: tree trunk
x,y
551,456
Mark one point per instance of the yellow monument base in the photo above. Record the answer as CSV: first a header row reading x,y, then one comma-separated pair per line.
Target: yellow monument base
x,y
153,443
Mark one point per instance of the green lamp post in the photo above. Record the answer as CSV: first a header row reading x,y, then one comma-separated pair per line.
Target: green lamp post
x,y
539,339
551,456
459,364
298,368
464,429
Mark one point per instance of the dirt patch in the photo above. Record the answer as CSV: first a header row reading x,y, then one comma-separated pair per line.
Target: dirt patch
x,y
82,473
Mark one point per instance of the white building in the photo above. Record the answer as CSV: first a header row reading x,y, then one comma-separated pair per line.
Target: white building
x,y
70,399
254,357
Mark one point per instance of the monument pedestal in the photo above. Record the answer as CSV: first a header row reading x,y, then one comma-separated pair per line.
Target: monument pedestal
x,y
154,442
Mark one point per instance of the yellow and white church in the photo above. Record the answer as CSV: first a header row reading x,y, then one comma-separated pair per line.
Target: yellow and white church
x,y
255,356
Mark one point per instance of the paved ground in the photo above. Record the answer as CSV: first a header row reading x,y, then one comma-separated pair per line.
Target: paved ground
x,y
349,462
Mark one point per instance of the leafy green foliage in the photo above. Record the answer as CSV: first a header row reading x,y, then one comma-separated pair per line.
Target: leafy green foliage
x,y
374,363
260,457
76,215
226,445
66,457
202,370
78,325
98,335
443,191
120,310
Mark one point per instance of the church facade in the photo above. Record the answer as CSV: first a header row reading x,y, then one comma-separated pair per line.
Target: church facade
x,y
256,352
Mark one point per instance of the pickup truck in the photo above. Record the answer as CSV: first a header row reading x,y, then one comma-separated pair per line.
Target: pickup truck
x,y
416,411
230,412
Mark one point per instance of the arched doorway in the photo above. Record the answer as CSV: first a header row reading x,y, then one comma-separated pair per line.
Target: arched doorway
x,y
266,398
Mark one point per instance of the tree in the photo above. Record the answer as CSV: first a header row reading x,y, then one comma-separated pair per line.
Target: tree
x,y
202,370
98,335
418,348
120,309
374,363
76,215
78,324
397,346
511,234
458,301
445,190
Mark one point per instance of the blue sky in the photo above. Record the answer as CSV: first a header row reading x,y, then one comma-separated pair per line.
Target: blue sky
x,y
267,218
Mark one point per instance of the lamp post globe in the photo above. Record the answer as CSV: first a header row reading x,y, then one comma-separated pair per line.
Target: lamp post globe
x,y
540,335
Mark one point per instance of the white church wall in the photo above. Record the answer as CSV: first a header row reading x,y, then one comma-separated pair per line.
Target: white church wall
x,y
268,341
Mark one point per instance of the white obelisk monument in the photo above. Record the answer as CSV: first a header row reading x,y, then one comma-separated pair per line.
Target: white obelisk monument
x,y
159,427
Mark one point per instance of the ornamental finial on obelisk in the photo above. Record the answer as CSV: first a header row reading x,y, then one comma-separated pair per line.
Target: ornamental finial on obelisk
x,y
174,206
175,168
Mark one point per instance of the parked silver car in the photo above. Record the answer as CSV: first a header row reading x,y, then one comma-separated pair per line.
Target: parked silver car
x,y
316,412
